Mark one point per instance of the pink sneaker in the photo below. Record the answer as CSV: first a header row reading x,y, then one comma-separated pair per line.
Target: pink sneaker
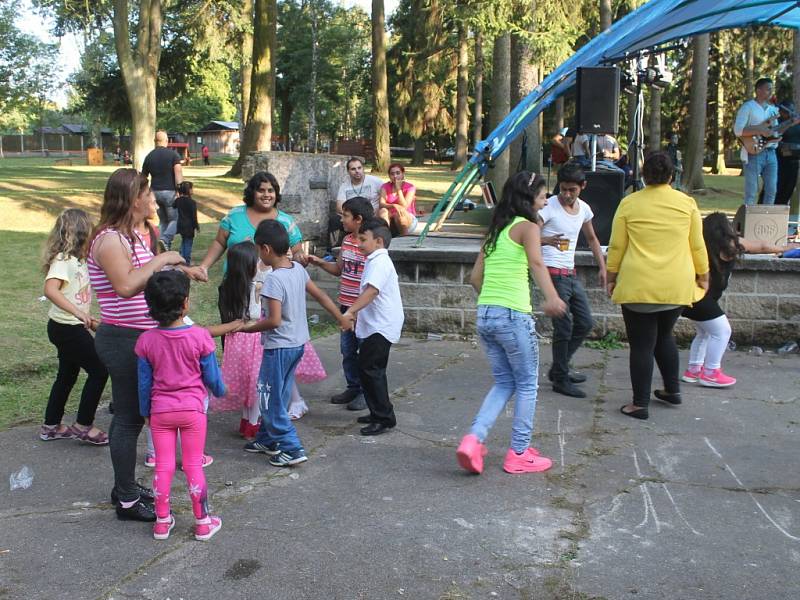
x,y
470,453
691,375
527,462
207,460
716,378
163,527
204,529
150,460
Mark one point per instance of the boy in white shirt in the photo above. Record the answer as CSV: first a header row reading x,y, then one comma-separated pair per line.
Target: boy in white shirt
x,y
380,320
563,218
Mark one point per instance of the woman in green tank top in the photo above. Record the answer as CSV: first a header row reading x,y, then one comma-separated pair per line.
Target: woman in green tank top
x,y
511,251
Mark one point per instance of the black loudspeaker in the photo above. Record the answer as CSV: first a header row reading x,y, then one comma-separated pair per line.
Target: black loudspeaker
x,y
597,100
603,193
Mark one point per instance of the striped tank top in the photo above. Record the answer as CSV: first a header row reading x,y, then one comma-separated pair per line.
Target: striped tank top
x,y
115,310
353,261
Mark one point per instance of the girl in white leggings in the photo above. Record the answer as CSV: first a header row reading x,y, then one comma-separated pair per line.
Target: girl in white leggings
x,y
713,329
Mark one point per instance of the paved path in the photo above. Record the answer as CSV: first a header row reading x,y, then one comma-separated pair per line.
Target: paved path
x,y
702,501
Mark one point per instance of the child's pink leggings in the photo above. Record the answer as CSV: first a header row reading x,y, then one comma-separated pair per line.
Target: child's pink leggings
x,y
192,426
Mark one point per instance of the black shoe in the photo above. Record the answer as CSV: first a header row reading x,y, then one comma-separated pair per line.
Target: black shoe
x,y
568,389
365,419
357,403
145,493
376,429
640,413
141,511
672,398
345,397
574,376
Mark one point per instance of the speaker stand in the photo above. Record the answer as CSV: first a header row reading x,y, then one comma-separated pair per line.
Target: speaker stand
x,y
594,153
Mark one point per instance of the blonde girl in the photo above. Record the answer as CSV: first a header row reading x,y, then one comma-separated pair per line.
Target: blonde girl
x,y
67,287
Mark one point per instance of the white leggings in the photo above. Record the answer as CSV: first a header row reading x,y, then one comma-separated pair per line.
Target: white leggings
x,y
710,343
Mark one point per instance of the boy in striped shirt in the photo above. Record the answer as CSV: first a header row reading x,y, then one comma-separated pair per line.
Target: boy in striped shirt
x,y
349,266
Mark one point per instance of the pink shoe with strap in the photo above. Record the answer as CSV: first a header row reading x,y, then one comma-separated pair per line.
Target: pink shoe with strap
x,y
163,527
204,529
527,462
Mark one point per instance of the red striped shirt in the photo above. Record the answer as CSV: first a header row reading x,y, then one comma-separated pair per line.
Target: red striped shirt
x,y
352,267
115,310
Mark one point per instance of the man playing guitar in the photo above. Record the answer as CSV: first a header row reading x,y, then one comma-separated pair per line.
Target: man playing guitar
x,y
754,127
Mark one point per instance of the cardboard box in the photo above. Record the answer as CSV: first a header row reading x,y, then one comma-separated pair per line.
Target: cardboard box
x,y
763,222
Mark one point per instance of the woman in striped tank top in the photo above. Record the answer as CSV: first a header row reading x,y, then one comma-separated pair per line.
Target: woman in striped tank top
x,y
120,263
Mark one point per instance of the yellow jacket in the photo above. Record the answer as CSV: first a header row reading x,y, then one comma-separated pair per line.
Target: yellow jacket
x,y
657,248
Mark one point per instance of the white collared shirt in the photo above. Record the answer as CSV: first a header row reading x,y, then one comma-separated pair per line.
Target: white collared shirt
x,y
384,315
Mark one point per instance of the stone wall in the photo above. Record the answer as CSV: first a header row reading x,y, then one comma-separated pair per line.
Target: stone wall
x,y
309,184
762,301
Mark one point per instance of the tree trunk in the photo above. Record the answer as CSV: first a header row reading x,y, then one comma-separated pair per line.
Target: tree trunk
x,y
605,14
477,113
462,100
258,130
312,100
287,109
247,59
139,66
419,152
695,148
718,166
501,97
380,89
655,119
559,118
524,77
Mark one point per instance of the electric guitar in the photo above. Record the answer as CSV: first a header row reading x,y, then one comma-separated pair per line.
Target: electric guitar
x,y
755,144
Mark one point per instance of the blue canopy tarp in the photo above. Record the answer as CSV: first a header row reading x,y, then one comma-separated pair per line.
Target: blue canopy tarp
x,y
655,23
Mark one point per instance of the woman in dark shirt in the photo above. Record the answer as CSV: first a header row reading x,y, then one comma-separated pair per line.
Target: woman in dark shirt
x,y
724,247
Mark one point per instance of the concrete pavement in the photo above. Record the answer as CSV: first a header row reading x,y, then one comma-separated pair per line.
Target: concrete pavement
x,y
701,501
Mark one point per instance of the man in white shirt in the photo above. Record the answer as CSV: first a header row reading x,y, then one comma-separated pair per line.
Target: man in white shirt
x,y
380,317
564,217
756,117
359,184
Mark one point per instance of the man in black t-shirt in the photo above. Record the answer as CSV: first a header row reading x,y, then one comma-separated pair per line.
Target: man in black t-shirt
x,y
163,166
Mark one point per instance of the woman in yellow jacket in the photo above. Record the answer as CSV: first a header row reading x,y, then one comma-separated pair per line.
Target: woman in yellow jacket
x,y
657,264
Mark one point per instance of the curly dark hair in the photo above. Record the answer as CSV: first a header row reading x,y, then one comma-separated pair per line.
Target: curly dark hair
x,y
165,293
722,242
255,182
658,168
519,192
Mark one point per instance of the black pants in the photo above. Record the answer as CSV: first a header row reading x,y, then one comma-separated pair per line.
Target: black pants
x,y
650,335
115,348
75,352
570,330
373,356
787,178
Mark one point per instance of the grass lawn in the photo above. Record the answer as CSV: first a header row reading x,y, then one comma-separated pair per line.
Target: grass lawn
x,y
33,191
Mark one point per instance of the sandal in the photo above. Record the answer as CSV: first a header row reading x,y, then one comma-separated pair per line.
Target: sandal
x,y
98,439
639,413
673,398
49,433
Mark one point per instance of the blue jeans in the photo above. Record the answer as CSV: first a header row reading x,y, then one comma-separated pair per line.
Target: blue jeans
x,y
348,346
765,164
186,249
275,382
167,215
509,339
